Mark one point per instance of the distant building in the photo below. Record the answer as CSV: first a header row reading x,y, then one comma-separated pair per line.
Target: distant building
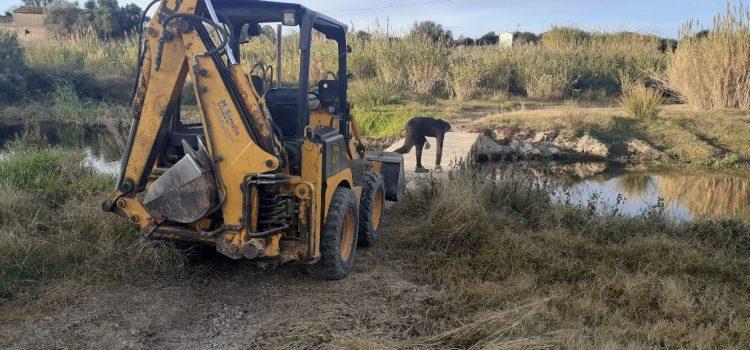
x,y
27,22
505,39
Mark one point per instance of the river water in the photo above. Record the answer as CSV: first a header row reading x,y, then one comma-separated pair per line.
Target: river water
x,y
684,195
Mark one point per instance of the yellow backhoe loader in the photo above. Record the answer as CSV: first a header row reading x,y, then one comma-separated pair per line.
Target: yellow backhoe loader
x,y
273,171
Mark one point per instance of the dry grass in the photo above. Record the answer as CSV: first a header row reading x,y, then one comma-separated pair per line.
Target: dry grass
x,y
714,72
611,281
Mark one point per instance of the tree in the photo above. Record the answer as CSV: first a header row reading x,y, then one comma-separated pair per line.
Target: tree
x,y
488,39
105,17
466,41
363,35
431,30
63,20
702,34
524,38
42,3
268,32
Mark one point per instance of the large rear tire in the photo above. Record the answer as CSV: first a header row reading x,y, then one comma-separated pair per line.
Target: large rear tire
x,y
338,240
372,206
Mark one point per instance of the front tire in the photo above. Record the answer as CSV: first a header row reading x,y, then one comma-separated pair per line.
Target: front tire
x,y
338,239
372,206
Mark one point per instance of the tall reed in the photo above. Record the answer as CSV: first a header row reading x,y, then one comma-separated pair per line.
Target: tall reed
x,y
713,72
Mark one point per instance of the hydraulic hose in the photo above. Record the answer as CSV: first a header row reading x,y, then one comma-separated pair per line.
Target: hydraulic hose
x,y
224,35
141,54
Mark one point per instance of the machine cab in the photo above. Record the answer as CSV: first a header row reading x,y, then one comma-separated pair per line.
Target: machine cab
x,y
300,99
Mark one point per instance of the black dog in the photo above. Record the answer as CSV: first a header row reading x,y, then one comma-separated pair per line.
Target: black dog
x,y
417,129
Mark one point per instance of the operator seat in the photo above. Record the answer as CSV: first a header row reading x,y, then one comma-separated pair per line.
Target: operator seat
x,y
283,103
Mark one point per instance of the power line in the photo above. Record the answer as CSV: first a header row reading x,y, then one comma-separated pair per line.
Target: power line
x,y
389,7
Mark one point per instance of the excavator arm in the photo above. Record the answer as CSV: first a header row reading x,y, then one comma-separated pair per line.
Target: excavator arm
x,y
234,120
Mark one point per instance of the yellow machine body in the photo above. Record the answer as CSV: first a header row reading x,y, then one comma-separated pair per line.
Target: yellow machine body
x,y
245,158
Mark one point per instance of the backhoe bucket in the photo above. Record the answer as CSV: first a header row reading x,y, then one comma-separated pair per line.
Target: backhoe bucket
x,y
186,192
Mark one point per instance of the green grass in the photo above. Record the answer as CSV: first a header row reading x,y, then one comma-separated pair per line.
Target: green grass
x,y
53,173
597,280
389,120
70,108
52,226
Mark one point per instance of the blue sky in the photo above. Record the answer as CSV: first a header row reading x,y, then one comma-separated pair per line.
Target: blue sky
x,y
475,17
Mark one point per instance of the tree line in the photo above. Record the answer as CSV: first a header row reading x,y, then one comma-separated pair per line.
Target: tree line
x,y
105,17
437,33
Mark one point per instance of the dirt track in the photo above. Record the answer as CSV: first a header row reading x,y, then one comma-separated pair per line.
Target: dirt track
x,y
242,307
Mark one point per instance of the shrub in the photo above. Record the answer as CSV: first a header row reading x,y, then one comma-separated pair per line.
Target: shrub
x,y
570,62
713,71
546,74
641,102
85,53
11,53
12,83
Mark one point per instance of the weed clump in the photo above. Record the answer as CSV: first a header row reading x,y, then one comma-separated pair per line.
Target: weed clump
x,y
641,102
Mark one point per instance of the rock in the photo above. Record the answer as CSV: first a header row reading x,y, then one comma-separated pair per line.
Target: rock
x,y
550,151
485,131
545,136
501,136
515,145
527,147
587,144
642,151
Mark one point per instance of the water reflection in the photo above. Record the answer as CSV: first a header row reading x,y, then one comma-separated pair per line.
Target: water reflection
x,y
102,147
684,195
